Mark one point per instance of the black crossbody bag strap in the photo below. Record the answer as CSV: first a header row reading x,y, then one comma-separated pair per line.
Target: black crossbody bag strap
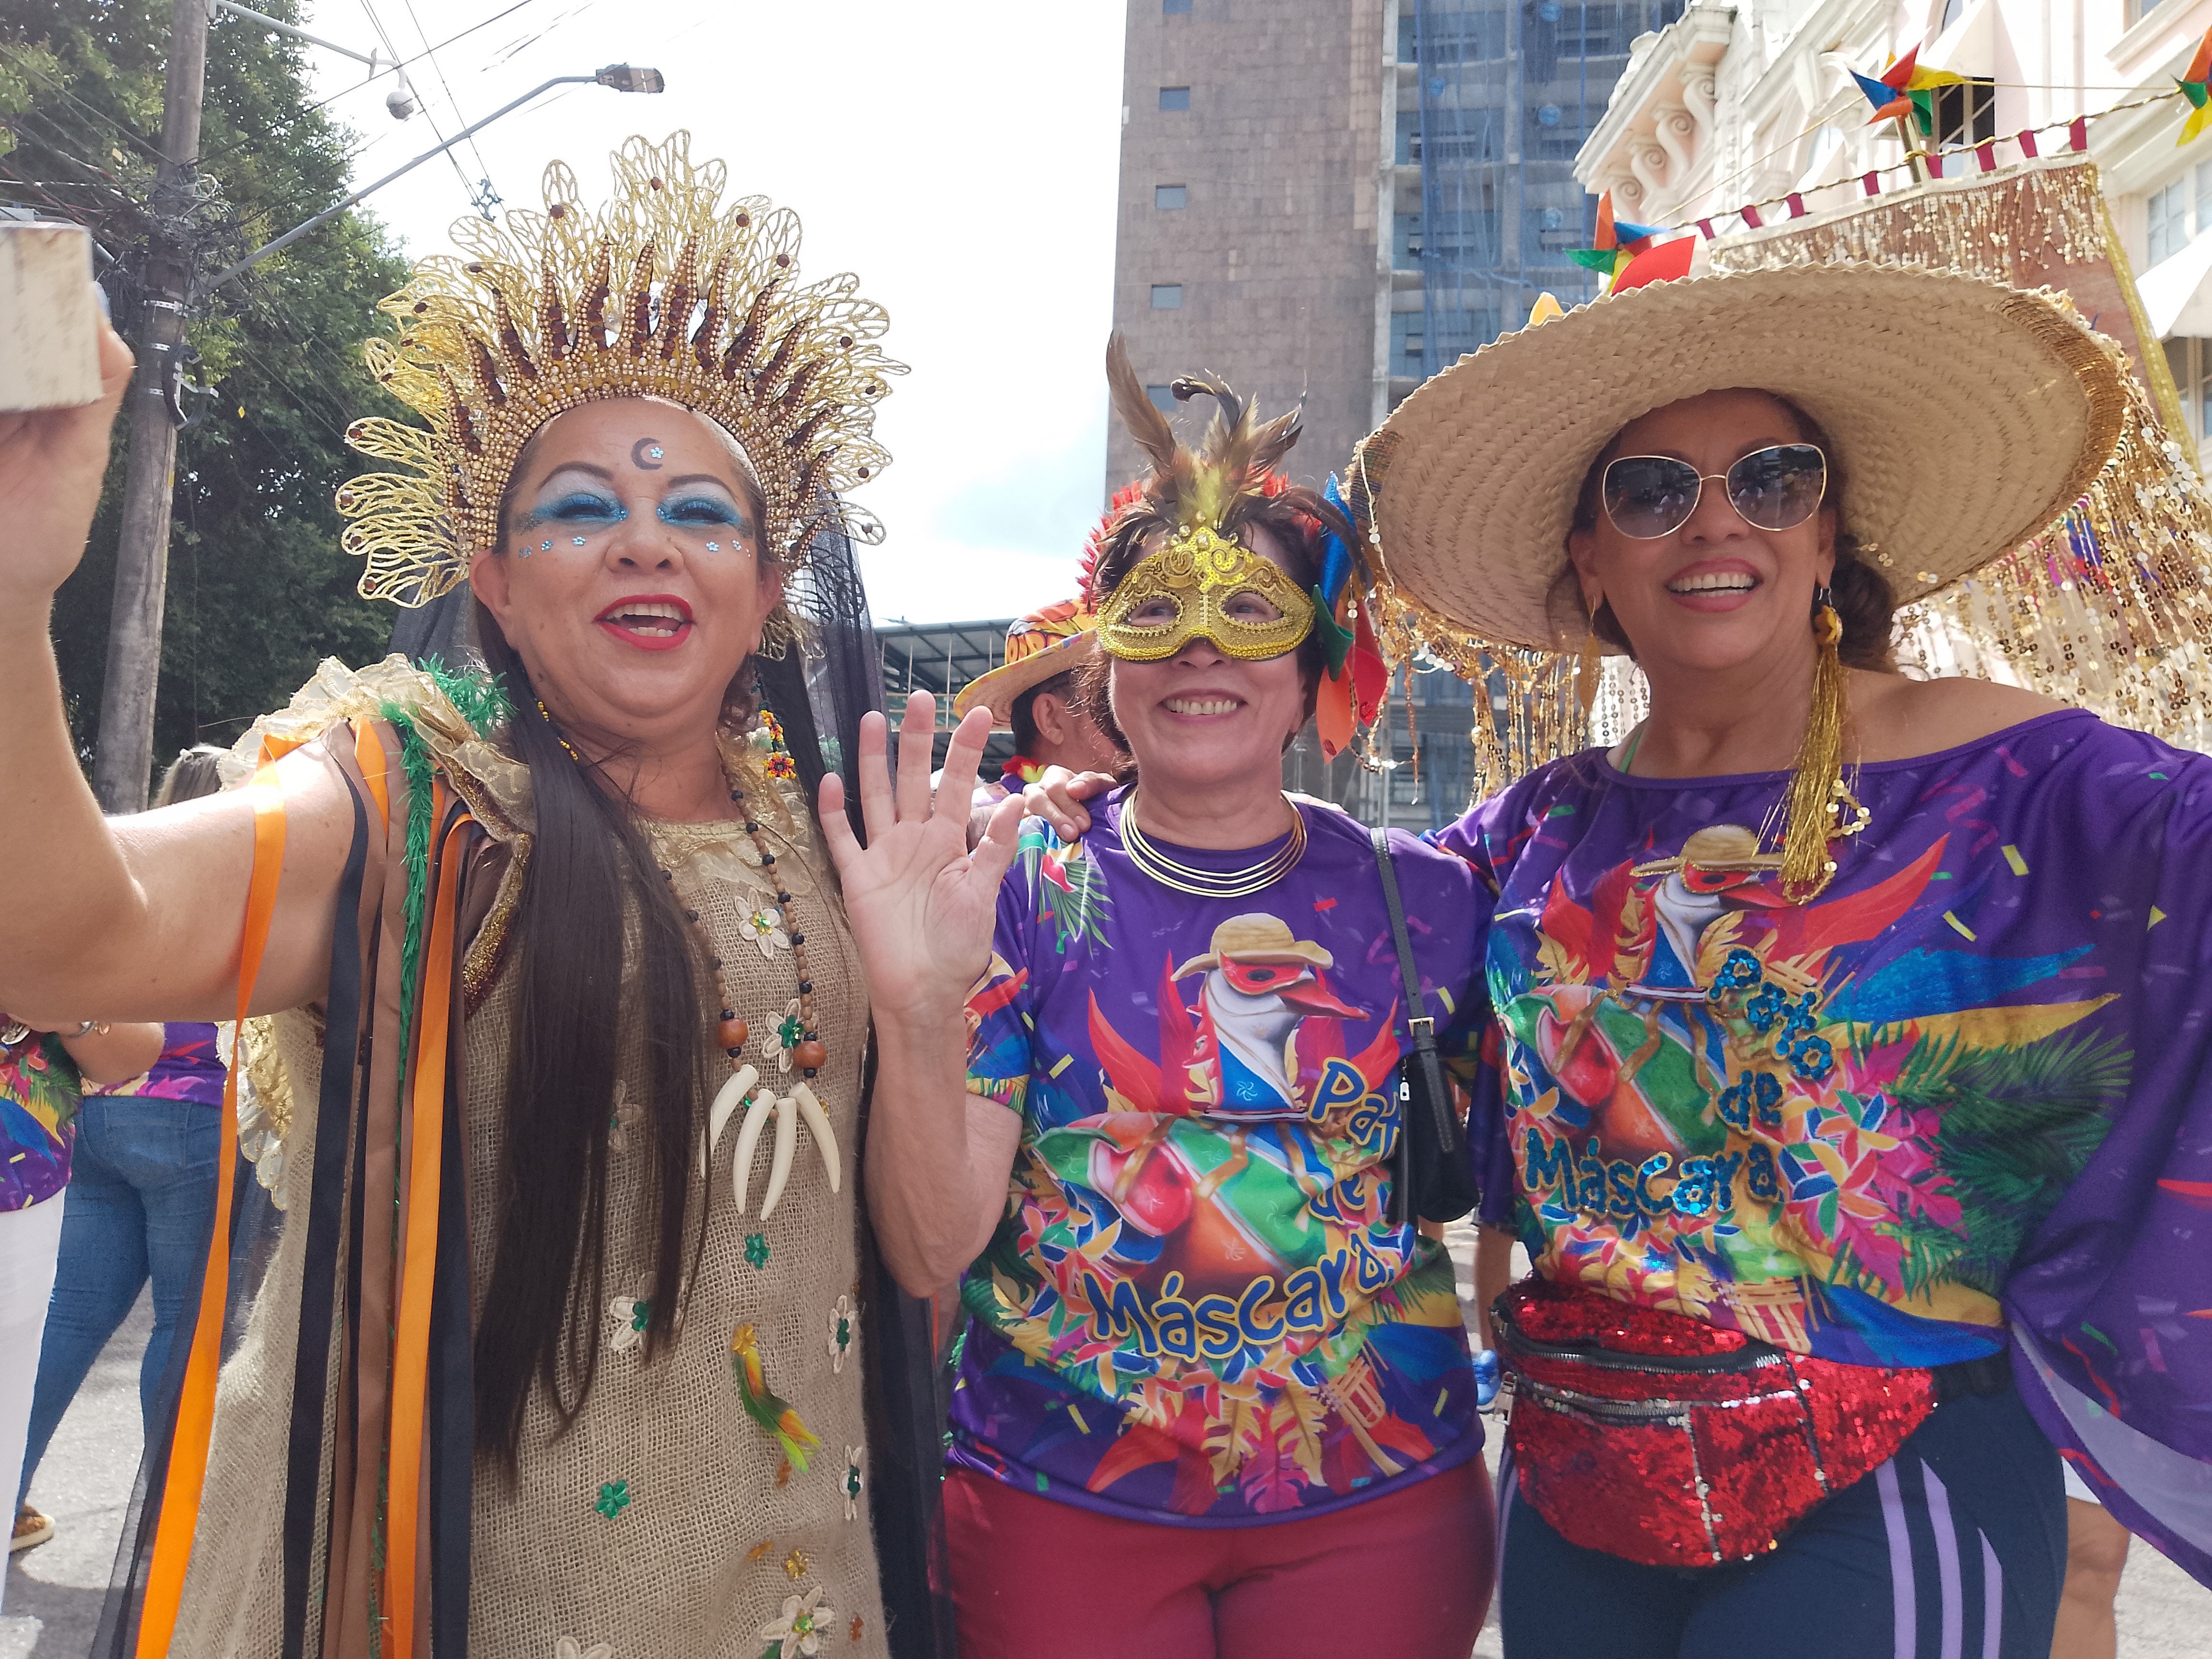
x,y
1438,1130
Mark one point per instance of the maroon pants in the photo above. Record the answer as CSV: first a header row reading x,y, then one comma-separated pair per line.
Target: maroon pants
x,y
1407,1574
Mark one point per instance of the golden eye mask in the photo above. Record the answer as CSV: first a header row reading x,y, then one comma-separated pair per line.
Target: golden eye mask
x,y
1200,574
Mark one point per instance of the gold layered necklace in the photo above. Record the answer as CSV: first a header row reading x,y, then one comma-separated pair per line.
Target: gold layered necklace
x,y
1213,884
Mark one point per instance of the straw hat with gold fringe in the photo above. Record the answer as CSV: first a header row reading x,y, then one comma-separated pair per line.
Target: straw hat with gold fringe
x,y
1968,416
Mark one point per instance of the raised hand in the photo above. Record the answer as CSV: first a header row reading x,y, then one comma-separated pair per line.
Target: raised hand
x,y
52,462
922,905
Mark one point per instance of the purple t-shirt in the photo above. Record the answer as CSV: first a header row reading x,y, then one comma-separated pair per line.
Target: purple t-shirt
x,y
1968,1086
1195,1309
38,1108
189,1068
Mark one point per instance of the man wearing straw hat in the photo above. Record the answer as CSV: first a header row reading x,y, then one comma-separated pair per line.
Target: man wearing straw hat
x,y
1851,1054
1032,693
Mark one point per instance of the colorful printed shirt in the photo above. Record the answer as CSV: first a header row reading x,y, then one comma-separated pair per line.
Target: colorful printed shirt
x,y
1969,1085
190,1068
1195,1309
38,1104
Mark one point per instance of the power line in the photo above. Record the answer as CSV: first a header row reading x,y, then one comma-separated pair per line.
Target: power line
x,y
436,131
250,139
486,197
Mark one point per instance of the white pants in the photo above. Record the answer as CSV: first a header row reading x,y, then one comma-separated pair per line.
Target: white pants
x,y
30,1242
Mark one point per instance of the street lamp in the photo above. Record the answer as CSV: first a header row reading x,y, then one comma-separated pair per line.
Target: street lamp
x,y
400,100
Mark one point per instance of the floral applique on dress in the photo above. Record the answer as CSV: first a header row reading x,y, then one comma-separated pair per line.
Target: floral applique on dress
x,y
765,927
841,1332
627,1115
853,1481
630,1315
800,1628
567,1647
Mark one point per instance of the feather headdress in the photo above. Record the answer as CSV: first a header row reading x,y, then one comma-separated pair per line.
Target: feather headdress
x,y
1234,478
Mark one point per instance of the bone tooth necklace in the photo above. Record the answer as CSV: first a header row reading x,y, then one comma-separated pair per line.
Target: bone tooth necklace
x,y
808,1052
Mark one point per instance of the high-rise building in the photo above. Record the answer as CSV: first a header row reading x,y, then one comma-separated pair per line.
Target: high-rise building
x,y
1251,141
1334,199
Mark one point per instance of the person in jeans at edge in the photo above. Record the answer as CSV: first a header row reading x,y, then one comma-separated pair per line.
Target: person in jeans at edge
x,y
142,1189
43,1068
1214,1396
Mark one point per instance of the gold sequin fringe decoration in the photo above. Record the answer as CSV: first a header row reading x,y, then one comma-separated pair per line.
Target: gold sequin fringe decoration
x,y
1528,707
2112,610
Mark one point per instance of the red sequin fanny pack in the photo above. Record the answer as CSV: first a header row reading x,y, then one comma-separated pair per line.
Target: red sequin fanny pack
x,y
1661,1439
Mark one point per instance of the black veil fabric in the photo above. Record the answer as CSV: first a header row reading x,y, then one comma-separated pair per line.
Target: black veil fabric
x,y
819,689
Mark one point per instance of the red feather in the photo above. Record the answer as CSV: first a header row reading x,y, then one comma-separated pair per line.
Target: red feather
x,y
1861,915
1135,1078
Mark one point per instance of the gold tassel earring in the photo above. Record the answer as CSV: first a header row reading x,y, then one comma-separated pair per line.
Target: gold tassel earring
x,y
1587,666
1818,800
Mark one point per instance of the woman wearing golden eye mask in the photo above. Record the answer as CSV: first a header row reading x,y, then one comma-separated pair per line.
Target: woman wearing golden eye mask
x,y
1210,1360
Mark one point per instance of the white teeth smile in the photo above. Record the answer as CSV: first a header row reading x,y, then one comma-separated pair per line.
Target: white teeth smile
x,y
1714,581
649,618
1201,705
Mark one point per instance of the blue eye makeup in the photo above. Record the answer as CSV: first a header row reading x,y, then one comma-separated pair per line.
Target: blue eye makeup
x,y
593,507
705,512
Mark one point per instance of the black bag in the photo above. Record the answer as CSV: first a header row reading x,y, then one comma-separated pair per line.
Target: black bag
x,y
1436,1175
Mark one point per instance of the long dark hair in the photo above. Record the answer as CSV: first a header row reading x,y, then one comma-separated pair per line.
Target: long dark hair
x,y
589,866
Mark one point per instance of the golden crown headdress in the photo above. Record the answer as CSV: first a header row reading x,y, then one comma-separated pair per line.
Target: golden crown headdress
x,y
665,292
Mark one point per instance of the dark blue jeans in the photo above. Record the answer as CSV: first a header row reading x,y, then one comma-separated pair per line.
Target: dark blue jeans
x,y
141,1203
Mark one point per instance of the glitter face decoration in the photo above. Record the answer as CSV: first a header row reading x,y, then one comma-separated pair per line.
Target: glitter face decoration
x,y
1203,585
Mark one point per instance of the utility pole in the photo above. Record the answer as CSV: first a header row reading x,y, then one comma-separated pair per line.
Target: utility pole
x,y
125,755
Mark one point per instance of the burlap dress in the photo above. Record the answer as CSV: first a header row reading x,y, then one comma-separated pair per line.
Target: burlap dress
x,y
665,1521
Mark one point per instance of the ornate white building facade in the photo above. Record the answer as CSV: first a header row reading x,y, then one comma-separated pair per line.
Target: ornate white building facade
x,y
1745,104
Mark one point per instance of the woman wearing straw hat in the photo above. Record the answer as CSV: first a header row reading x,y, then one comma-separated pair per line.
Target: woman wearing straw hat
x,y
1851,1046
1215,1394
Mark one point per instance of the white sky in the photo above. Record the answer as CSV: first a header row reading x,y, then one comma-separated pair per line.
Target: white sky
x,y
961,160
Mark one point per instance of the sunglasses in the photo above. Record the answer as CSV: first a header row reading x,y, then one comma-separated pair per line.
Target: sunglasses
x,y
1777,487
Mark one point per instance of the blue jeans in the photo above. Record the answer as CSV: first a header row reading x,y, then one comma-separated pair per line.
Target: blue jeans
x,y
140,1201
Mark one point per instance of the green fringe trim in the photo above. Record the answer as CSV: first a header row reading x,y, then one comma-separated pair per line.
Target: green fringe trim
x,y
480,699
414,761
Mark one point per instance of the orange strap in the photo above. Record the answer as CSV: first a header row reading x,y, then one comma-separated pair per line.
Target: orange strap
x,y
195,1419
411,1352
368,753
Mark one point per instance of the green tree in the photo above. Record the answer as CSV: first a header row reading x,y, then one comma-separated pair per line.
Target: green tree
x,y
259,590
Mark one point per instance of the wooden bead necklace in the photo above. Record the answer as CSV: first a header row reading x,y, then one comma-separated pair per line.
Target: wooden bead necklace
x,y
795,1033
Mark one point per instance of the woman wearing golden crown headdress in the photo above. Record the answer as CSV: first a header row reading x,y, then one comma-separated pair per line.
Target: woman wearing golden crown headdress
x,y
557,1349
1852,1088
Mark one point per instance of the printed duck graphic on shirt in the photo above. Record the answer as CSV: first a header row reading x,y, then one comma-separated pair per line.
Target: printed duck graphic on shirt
x,y
1197,1251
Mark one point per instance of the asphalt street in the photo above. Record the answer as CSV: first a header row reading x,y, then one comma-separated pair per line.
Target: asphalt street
x,y
54,1591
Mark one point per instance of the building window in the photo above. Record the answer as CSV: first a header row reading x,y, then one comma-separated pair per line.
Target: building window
x,y
2169,222
1167,296
1965,114
1409,137
1175,8
1174,98
1409,340
1405,243
1168,197
1163,397
2191,363
2203,196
